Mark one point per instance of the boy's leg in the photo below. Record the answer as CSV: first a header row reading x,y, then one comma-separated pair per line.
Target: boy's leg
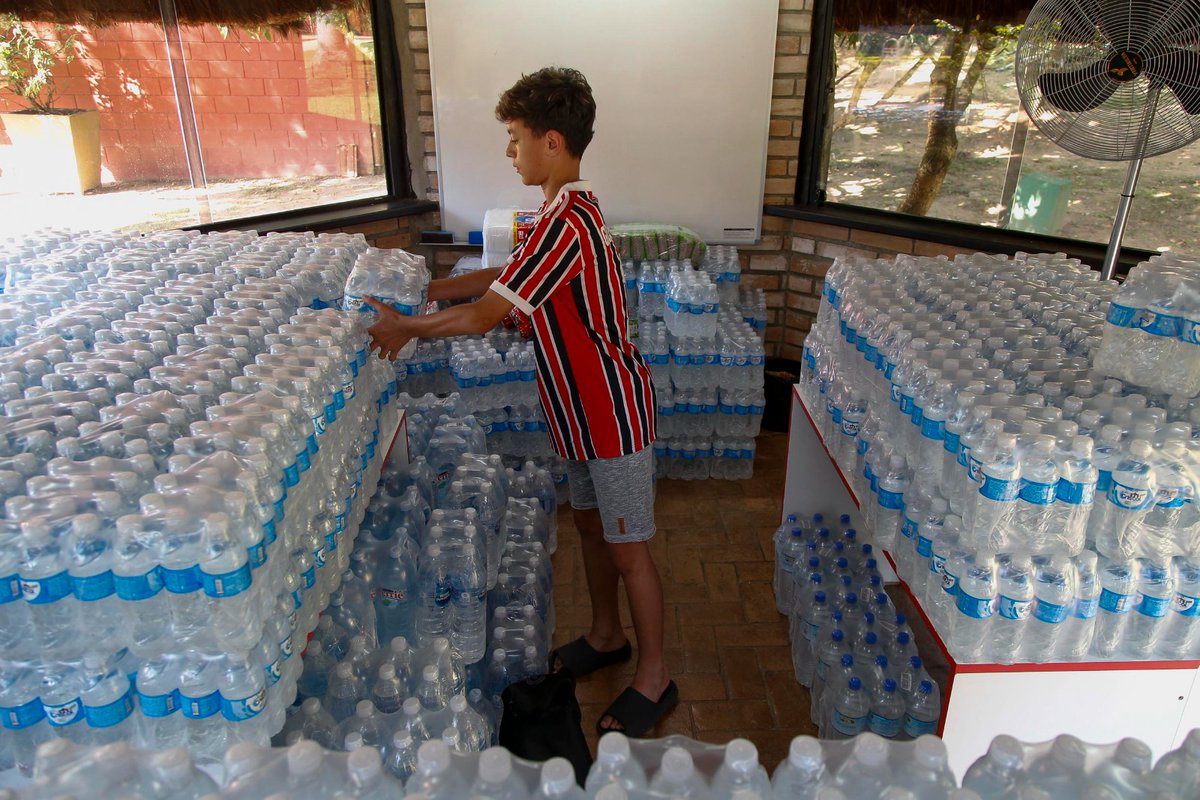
x,y
644,590
606,632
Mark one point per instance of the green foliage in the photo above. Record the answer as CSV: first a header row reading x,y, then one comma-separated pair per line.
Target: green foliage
x,y
27,61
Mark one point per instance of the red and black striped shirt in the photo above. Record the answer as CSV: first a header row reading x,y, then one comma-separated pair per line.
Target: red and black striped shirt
x,y
596,390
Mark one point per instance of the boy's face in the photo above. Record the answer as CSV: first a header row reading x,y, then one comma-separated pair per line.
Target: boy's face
x,y
529,153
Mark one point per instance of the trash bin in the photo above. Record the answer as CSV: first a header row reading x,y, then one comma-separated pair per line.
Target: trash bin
x,y
780,374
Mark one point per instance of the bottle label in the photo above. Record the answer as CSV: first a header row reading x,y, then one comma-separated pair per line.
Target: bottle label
x,y
64,714
1185,605
200,707
1189,332
309,576
906,405
974,468
1000,490
810,630
110,714
273,672
256,554
974,607
227,584
304,460
138,587
1076,494
10,589
1169,497
1050,613
1150,606
1008,608
270,533
1129,498
244,708
285,646
847,725
862,446
1104,481
937,563
918,416
182,581
16,718
291,474
950,442
887,728
158,705
924,547
949,582
1114,603
1038,494
891,500
93,587
392,597
40,591
1085,607
850,427
1120,316
836,413
933,429
1159,324
918,727
895,393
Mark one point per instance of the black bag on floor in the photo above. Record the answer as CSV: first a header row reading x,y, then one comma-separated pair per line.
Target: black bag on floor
x,y
542,720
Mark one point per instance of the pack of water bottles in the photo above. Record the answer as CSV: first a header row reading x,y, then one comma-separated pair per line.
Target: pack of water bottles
x,y
395,277
850,647
1153,325
960,400
189,441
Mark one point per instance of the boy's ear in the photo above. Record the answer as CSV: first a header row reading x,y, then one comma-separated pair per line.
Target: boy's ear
x,y
555,142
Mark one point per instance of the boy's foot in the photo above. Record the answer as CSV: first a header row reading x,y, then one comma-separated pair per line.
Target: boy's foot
x,y
634,714
579,658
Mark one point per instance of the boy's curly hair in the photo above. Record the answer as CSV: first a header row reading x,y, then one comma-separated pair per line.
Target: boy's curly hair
x,y
553,98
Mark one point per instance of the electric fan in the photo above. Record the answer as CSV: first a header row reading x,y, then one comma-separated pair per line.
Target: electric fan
x,y
1114,80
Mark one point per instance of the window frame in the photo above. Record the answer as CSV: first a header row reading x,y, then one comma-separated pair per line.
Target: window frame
x,y
812,205
400,200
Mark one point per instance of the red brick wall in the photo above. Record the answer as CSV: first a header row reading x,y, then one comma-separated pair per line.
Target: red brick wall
x,y
264,108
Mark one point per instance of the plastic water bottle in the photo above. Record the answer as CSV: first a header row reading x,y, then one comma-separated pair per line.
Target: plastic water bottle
x,y
677,777
1178,636
997,773
345,690
435,776
887,710
468,618
1127,772
1015,601
1152,604
558,781
364,768
802,773
1060,771
975,602
740,770
177,775
395,597
850,708
1179,770
865,772
388,692
924,710
1054,590
1118,584
926,772
244,698
1129,499
1075,635
400,757
495,778
615,764
434,592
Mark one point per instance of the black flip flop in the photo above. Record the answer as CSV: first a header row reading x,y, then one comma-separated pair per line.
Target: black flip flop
x,y
637,713
579,658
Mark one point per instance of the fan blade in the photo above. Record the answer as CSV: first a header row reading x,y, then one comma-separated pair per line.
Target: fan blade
x,y
1180,71
1078,91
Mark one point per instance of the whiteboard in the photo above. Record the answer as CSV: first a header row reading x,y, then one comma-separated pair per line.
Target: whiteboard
x,y
683,98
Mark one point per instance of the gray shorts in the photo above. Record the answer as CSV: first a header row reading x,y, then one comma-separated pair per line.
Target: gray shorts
x,y
622,488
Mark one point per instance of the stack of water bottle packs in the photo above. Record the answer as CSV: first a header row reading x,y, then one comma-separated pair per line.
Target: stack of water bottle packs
x,y
445,605
190,433
1038,510
706,353
850,647
865,768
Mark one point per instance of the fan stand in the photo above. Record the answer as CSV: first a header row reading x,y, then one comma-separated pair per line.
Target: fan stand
x,y
1131,179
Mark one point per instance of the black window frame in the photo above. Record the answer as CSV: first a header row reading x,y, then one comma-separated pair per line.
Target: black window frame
x,y
812,205
400,200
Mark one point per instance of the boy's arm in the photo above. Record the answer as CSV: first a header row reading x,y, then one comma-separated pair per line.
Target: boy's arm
x,y
461,287
394,330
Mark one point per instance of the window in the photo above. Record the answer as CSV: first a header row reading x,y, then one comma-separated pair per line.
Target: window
x,y
925,119
200,123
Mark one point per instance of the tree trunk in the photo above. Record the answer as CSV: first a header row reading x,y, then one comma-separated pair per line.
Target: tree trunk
x,y
951,100
869,65
903,79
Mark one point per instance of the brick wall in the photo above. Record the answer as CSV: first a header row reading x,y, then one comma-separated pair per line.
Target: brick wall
x,y
264,108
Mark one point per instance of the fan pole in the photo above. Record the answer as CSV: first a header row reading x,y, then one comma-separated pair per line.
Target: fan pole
x,y
1131,179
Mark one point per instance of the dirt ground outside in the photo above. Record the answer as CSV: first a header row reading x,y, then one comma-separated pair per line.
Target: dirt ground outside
x,y
142,207
875,156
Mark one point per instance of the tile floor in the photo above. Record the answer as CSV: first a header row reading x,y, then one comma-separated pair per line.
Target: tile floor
x,y
726,645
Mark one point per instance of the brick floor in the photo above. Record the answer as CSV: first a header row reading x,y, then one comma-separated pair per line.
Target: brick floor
x,y
726,645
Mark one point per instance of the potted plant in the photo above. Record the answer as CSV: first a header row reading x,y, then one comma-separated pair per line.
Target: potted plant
x,y
54,149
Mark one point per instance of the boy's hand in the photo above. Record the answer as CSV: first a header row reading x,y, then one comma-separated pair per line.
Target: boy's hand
x,y
389,334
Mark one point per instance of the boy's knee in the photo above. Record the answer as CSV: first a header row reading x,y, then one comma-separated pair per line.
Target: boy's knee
x,y
631,558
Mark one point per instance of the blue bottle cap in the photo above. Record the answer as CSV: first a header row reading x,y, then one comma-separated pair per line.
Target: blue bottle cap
x,y
842,564
851,534
847,660
881,661
870,638
797,531
819,597
915,662
869,618
844,519
837,635
867,549
816,577
926,687
823,533
814,562
851,598
847,580
855,684
903,638
818,519
889,685
901,620
881,599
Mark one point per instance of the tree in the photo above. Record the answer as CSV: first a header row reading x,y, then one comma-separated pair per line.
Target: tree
x,y
951,90
27,61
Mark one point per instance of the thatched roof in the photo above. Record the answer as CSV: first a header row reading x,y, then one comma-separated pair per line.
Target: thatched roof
x,y
850,15
191,12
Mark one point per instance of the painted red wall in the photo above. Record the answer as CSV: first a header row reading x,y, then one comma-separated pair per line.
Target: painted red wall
x,y
264,108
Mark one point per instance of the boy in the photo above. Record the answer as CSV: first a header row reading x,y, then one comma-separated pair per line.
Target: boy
x,y
595,389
